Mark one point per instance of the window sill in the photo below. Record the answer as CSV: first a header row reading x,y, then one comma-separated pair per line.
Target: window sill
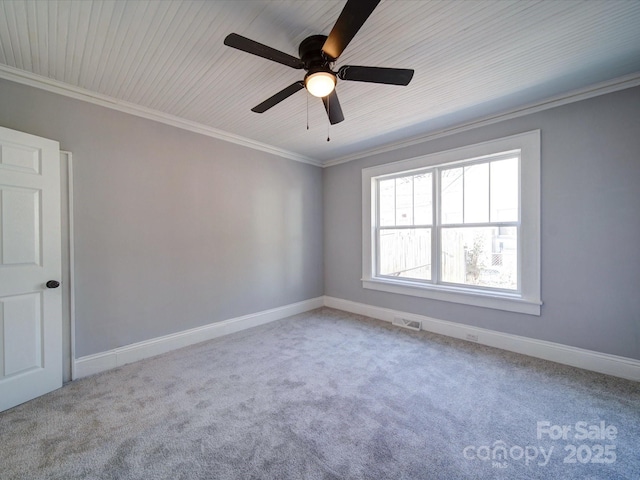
x,y
498,301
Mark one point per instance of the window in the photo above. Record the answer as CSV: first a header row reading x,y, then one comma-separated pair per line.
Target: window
x,y
460,226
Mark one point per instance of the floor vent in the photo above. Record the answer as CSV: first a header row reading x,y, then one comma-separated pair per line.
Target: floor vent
x,y
405,323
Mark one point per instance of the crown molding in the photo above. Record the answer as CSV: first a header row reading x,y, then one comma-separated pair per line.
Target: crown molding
x,y
610,86
45,83
54,86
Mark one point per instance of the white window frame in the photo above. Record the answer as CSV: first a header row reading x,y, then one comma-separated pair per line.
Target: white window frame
x,y
527,300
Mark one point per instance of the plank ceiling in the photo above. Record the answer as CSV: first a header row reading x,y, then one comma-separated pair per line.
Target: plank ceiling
x,y
472,58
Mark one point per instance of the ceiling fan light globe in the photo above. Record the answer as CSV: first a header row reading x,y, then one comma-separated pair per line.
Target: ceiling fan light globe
x,y
320,84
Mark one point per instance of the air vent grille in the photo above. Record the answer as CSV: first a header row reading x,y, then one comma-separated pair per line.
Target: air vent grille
x,y
406,323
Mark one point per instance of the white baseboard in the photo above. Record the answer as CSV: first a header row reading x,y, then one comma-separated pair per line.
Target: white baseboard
x,y
102,361
576,357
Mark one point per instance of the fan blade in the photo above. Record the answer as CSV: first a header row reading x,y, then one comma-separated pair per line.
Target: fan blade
x,y
251,46
389,76
333,108
278,97
353,16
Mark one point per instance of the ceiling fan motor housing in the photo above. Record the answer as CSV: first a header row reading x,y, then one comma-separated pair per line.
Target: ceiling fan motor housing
x,y
311,54
315,61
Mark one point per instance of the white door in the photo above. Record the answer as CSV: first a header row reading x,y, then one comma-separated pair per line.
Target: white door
x,y
30,256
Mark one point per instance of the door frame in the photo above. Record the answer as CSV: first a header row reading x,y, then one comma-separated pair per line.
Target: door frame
x,y
68,276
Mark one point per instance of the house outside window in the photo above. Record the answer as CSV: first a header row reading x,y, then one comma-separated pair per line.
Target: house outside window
x,y
460,226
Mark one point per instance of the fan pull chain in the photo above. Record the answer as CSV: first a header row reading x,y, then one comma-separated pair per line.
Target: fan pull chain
x,y
328,115
307,96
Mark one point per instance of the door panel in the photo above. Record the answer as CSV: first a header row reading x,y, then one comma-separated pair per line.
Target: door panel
x,y
22,158
20,226
21,333
30,255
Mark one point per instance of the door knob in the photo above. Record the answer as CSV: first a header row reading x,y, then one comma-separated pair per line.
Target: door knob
x,y
53,284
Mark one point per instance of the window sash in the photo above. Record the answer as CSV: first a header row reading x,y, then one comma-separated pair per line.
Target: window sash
x,y
379,252
517,290
436,227
379,180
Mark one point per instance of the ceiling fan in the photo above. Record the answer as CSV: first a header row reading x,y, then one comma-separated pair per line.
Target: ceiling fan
x,y
317,55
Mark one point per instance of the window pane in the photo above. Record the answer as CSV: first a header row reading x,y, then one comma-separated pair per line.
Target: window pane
x,y
504,190
404,201
387,202
476,193
405,253
422,198
482,256
451,195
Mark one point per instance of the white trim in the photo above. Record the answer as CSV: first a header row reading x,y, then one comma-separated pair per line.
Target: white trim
x,y
603,88
528,301
457,295
615,365
61,88
71,245
44,83
102,361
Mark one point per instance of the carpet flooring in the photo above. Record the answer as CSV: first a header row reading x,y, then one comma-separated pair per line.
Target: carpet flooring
x,y
329,395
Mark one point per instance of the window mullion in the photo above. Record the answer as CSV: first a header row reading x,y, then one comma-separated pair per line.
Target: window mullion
x,y
489,212
482,224
376,265
435,251
413,200
379,228
395,201
463,191
405,227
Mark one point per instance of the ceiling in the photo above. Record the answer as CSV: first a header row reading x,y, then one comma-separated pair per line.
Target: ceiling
x,y
472,58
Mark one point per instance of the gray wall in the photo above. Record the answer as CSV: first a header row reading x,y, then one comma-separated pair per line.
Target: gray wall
x,y
590,227
174,230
